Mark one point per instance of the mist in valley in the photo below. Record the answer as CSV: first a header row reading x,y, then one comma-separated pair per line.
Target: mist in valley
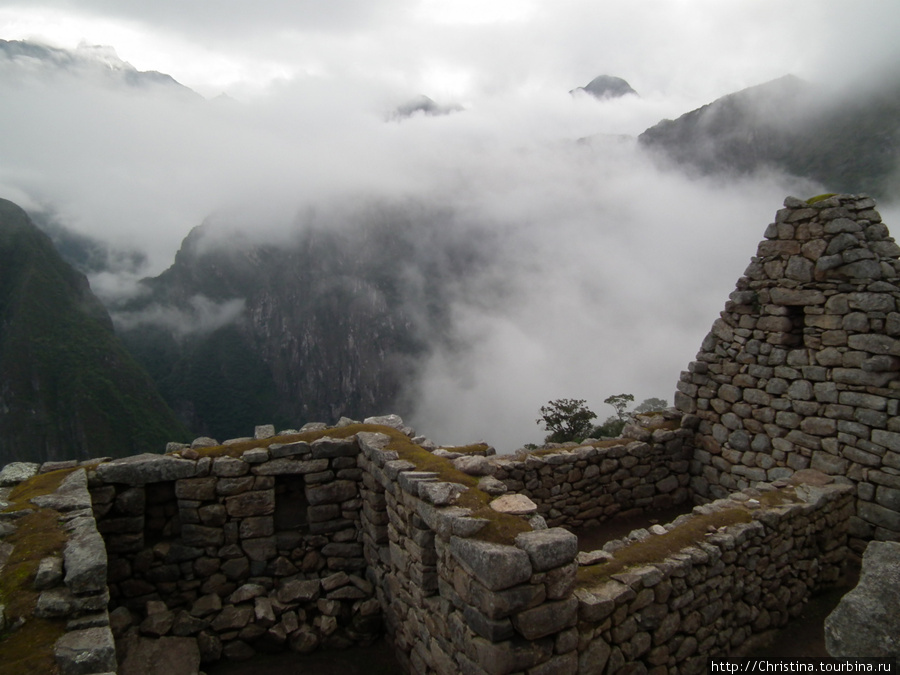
x,y
567,260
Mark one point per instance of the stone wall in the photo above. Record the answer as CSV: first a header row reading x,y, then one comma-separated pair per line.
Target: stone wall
x,y
259,551
460,587
802,369
679,603
587,485
454,602
70,583
458,601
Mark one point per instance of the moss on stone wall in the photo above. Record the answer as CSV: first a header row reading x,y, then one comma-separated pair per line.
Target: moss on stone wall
x,y
501,528
687,533
657,547
28,648
819,198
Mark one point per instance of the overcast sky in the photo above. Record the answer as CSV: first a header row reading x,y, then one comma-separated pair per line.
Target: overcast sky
x,y
618,269
468,50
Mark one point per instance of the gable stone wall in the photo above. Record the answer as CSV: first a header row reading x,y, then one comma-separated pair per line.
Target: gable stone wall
x,y
802,368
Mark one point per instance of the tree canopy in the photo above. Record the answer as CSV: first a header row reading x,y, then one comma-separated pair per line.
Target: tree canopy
x,y
620,402
567,419
651,405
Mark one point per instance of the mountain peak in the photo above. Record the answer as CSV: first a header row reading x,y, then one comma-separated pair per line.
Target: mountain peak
x,y
847,145
605,87
425,105
93,60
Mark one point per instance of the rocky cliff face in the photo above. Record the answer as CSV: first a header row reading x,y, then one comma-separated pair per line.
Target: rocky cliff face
x,y
328,323
100,63
68,389
790,126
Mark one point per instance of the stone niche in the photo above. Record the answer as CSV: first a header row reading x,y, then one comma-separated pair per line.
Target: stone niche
x,y
291,515
161,520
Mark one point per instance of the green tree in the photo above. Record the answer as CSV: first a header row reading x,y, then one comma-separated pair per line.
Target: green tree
x,y
651,405
567,419
620,402
611,428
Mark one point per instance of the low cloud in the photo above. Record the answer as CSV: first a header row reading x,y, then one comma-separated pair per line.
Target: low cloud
x,y
199,315
602,271
609,286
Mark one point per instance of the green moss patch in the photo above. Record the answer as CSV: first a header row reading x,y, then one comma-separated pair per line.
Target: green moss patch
x,y
820,198
36,486
501,528
658,547
37,536
29,648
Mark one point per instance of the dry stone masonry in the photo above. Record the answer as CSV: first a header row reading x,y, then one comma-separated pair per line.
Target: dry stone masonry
x,y
71,583
257,552
587,485
786,437
705,599
802,369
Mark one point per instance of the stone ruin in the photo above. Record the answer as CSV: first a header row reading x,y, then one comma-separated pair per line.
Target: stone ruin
x,y
802,369
783,438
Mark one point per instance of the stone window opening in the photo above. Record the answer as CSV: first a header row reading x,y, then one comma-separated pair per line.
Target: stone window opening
x,y
161,521
291,505
797,316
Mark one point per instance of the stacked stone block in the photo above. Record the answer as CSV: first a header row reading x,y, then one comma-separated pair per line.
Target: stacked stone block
x,y
513,608
587,485
221,573
455,603
705,600
405,513
221,560
72,586
801,369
